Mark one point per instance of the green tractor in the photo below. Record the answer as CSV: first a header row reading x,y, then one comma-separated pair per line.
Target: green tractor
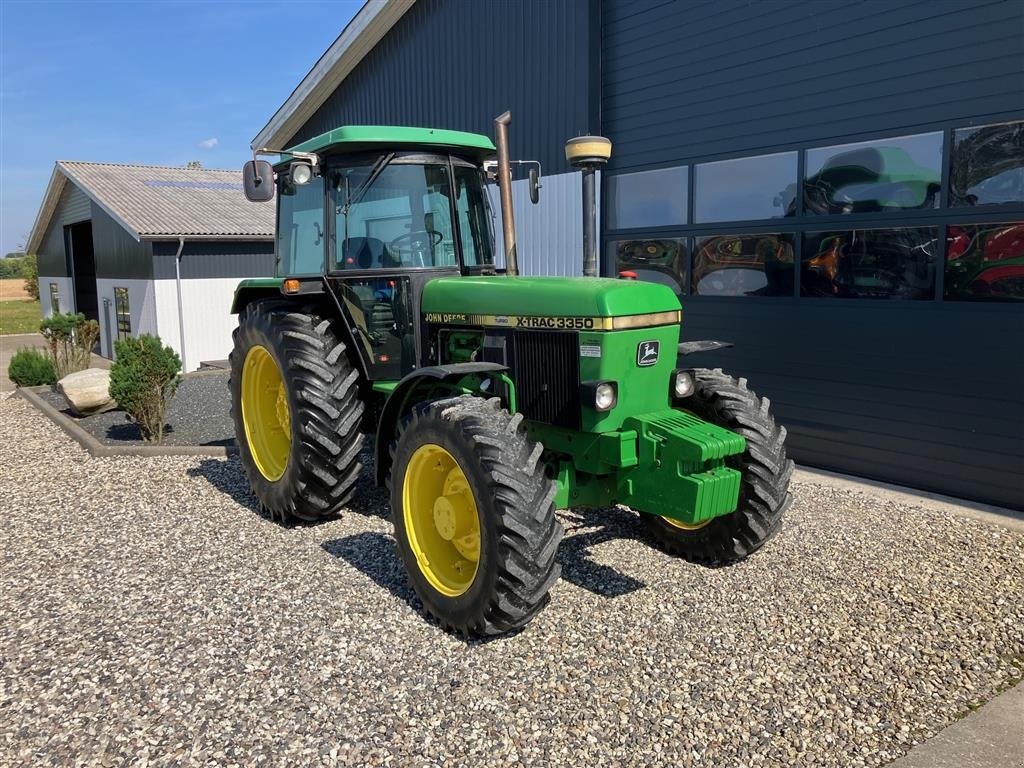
x,y
494,399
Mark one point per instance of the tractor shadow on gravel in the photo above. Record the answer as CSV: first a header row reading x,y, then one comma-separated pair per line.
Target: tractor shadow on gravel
x,y
374,554
229,478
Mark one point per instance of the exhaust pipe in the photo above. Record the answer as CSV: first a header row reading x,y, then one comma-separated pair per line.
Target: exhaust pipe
x,y
508,221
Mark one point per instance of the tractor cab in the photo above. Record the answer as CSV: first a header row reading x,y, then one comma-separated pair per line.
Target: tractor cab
x,y
379,211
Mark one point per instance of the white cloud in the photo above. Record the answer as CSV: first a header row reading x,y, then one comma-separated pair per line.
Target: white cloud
x,y
208,143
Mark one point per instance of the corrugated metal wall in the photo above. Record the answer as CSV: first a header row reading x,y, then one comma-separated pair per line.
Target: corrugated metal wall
x,y
549,235
118,254
688,80
924,393
72,206
214,259
458,64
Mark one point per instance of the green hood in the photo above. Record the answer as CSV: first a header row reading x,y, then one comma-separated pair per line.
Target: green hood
x,y
547,296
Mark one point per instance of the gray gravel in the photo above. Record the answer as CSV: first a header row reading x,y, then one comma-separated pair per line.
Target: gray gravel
x,y
151,616
198,414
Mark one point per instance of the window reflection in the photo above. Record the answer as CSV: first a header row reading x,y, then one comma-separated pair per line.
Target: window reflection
x,y
743,265
747,188
889,174
985,261
657,261
647,199
873,263
987,165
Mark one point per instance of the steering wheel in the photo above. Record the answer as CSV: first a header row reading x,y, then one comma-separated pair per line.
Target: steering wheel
x,y
416,245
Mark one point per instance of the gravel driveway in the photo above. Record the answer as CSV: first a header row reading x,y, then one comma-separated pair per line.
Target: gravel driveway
x,y
151,616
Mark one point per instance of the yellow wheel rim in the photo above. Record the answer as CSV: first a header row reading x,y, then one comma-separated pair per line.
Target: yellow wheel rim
x,y
685,526
265,413
441,519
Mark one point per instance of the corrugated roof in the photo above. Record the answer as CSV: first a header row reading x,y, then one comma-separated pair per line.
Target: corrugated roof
x,y
153,201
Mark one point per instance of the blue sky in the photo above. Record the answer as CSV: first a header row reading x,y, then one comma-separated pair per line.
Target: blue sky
x,y
130,82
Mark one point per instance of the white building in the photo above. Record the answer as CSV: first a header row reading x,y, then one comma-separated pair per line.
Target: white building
x,y
150,249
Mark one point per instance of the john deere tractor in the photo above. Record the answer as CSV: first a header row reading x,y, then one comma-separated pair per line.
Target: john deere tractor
x,y
493,399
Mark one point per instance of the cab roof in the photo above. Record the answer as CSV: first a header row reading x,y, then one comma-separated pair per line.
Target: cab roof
x,y
354,138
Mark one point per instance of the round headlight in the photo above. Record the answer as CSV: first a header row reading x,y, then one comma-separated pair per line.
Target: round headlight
x,y
684,384
604,397
301,173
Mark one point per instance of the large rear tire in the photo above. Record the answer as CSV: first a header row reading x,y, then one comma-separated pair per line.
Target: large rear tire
x,y
474,515
764,487
296,408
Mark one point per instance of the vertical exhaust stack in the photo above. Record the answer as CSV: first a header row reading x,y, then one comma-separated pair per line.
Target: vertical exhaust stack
x,y
508,220
588,153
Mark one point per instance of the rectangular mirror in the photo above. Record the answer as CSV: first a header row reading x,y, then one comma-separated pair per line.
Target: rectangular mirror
x,y
258,181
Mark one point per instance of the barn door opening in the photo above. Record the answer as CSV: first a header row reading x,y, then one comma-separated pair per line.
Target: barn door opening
x,y
82,268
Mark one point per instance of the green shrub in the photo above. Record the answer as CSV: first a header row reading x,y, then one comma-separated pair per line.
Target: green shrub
x,y
30,271
143,379
31,368
70,340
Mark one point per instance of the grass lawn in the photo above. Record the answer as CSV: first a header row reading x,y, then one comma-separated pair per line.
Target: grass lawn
x,y
19,317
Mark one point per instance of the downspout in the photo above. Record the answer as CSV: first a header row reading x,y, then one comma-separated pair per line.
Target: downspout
x,y
181,311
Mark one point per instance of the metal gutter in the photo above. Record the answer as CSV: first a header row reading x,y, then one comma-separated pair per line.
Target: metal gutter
x,y
359,37
181,311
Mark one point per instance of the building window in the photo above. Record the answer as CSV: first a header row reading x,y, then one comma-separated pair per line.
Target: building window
x,y
987,165
744,189
985,261
743,265
647,199
871,264
123,313
54,299
655,260
900,173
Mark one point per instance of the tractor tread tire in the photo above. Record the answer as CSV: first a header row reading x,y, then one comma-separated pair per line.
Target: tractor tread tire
x,y
326,410
518,496
764,487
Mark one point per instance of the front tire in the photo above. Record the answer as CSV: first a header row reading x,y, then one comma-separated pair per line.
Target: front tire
x,y
474,515
764,485
296,408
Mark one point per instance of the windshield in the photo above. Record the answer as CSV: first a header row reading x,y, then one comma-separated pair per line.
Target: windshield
x,y
398,215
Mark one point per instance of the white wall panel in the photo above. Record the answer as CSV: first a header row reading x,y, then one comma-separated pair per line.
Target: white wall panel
x,y
65,293
549,235
141,307
208,321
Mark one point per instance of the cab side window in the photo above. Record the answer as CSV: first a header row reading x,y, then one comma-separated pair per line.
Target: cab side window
x,y
300,231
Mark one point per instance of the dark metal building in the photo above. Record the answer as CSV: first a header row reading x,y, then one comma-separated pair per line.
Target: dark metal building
x,y
836,187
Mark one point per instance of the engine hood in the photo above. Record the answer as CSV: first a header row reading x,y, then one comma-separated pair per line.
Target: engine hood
x,y
584,297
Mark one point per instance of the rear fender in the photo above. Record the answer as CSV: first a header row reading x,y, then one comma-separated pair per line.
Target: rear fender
x,y
414,388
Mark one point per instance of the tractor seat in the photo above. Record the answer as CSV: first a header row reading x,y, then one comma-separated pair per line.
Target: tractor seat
x,y
364,253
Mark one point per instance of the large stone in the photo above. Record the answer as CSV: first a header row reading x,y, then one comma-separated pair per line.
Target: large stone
x,y
87,392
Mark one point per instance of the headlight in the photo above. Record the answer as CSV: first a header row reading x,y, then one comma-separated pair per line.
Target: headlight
x,y
301,173
600,395
683,385
604,397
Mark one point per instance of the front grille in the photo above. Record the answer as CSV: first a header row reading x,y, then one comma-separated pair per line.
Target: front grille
x,y
546,370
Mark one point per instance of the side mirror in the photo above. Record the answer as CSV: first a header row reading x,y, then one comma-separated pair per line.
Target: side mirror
x,y
534,186
258,181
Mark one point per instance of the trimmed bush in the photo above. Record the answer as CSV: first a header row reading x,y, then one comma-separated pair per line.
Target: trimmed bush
x,y
31,368
70,339
143,379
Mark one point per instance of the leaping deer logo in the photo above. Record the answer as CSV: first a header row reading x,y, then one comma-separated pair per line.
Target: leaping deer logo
x,y
647,353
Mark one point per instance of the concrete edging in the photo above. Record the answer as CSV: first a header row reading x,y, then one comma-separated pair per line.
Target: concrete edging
x,y
96,448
